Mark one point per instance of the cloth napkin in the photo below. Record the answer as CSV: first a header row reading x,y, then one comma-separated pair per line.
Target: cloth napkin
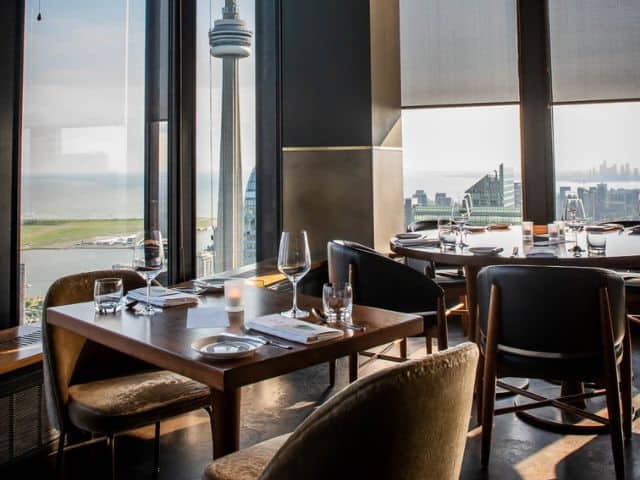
x,y
163,297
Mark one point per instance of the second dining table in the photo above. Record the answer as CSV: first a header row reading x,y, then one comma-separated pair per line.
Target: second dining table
x,y
165,339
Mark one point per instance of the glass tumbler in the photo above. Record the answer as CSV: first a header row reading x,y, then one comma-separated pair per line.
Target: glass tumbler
x,y
337,301
107,295
596,243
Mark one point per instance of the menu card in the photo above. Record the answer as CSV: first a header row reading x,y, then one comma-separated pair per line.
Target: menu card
x,y
292,329
163,297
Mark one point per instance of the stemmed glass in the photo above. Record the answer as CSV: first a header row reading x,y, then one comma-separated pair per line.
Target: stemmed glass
x,y
460,214
574,215
294,261
149,262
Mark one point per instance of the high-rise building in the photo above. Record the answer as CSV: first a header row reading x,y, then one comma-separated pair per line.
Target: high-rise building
x,y
249,235
420,198
494,189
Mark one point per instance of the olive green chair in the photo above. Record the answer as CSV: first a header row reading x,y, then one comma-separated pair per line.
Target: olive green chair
x,y
409,421
95,389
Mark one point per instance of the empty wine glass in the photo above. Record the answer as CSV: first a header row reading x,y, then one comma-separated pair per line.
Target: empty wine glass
x,y
460,215
574,215
149,262
294,261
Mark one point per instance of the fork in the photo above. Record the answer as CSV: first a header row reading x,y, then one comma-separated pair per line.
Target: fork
x,y
267,341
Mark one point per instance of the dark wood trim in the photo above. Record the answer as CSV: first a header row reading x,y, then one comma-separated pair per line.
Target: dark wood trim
x,y
11,67
181,129
536,125
268,51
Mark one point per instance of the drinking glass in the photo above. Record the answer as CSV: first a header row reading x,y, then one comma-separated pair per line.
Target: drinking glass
x,y
527,231
337,301
460,214
149,262
574,215
553,231
446,234
107,294
294,261
596,243
561,228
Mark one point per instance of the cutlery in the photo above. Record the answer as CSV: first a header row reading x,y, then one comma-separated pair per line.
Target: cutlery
x,y
321,316
262,339
514,252
344,323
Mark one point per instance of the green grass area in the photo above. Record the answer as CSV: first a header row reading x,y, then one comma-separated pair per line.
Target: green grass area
x,y
66,233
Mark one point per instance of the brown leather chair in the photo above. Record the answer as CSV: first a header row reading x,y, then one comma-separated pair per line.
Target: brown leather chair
x,y
98,390
565,323
409,421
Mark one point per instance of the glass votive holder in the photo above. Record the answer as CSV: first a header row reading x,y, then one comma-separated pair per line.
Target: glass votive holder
x,y
527,231
337,301
107,295
596,243
233,295
553,231
562,228
447,234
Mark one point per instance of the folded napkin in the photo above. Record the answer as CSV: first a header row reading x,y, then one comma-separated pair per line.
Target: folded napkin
x,y
541,253
418,242
163,297
605,227
499,226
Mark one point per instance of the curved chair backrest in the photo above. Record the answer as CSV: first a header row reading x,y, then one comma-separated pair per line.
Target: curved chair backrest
x,y
551,312
406,422
70,358
378,281
420,225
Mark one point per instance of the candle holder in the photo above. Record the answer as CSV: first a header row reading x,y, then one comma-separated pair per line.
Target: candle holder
x,y
233,293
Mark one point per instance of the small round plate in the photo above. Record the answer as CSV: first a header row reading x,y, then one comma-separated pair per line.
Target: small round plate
x,y
485,250
223,347
408,236
499,226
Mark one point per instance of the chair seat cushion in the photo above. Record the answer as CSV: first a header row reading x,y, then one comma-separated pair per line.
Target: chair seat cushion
x,y
126,402
246,464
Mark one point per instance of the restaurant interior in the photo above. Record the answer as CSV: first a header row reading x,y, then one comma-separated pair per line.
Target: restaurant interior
x,y
319,239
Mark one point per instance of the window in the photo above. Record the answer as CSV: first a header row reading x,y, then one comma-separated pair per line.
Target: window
x,y
460,122
595,55
225,243
85,141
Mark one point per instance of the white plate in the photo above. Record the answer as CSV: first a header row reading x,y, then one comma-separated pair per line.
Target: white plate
x,y
223,347
408,236
485,250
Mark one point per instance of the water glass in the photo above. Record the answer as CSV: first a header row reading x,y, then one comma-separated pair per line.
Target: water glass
x,y
446,234
107,294
553,231
562,227
527,231
337,301
596,243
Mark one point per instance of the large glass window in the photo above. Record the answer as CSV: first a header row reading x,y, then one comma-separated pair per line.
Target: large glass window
x,y
84,137
448,152
223,136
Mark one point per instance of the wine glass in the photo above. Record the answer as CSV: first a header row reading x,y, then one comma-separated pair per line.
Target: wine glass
x,y
460,214
574,215
294,260
149,262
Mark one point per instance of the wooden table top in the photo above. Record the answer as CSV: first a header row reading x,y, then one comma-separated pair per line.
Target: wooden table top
x,y
622,251
19,347
164,339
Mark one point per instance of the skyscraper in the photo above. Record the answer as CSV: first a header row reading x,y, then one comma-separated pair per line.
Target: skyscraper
x,y
249,234
230,39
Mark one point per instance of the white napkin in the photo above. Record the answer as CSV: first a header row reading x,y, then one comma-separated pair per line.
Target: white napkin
x,y
163,297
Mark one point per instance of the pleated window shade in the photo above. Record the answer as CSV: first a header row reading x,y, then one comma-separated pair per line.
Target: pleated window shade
x,y
457,52
595,49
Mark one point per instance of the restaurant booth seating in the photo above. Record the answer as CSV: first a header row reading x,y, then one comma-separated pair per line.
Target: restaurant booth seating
x,y
408,422
95,389
562,323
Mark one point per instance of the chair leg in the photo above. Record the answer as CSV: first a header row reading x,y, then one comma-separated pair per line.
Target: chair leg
x,y
156,450
465,316
332,373
626,375
443,333
403,348
353,367
111,443
478,388
210,412
487,405
615,423
60,454
429,343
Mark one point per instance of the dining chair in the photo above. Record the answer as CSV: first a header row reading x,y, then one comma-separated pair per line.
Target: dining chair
x,y
378,281
95,389
565,323
405,422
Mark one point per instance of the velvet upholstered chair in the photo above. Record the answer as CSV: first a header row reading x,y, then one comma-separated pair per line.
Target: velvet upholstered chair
x,y
406,422
378,281
98,390
564,323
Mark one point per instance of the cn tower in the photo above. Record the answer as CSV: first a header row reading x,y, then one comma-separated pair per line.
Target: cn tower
x,y
230,39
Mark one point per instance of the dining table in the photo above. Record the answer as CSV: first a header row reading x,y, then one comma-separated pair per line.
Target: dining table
x,y
506,246
165,340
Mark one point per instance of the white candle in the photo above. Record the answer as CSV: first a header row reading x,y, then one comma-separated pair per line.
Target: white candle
x,y
233,290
